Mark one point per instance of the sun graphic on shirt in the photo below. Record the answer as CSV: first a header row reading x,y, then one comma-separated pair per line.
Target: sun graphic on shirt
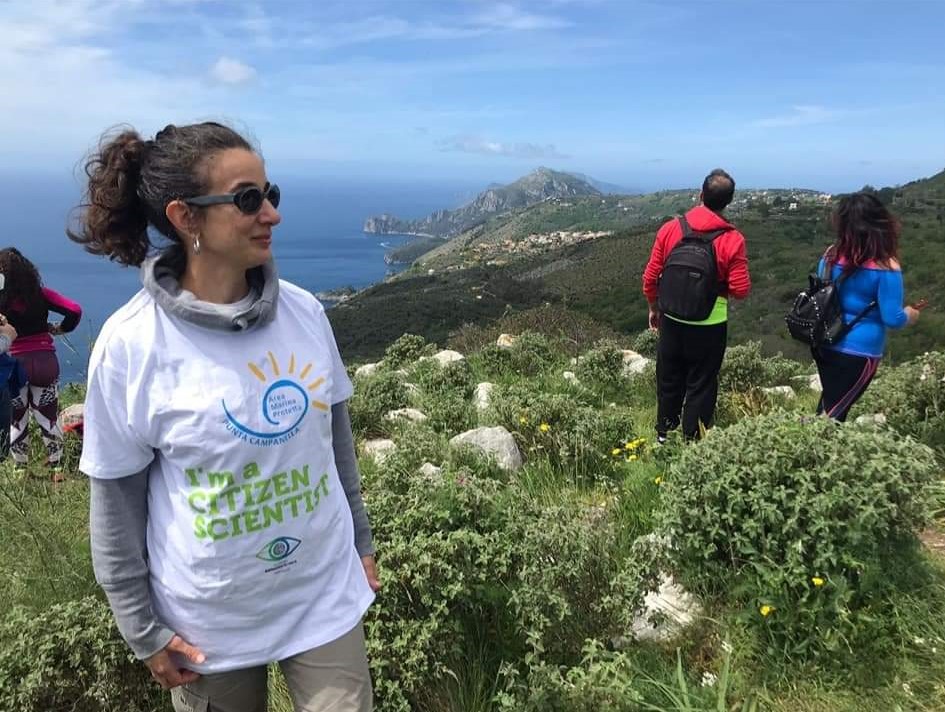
x,y
284,403
277,371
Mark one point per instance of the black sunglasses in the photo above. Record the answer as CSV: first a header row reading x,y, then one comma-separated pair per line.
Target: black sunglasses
x,y
248,200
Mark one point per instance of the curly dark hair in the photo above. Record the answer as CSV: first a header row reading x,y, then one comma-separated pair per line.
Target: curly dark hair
x,y
22,280
866,231
131,182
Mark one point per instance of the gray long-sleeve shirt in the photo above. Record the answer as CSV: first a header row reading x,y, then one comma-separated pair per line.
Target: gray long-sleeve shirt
x,y
119,507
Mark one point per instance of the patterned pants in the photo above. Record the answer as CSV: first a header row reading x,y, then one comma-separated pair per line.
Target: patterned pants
x,y
39,398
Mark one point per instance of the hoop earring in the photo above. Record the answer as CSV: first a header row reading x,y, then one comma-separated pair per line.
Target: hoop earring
x,y
197,244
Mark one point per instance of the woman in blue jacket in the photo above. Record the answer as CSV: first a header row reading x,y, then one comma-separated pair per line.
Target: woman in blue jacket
x,y
866,256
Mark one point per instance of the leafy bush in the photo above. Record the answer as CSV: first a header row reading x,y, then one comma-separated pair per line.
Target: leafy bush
x,y
576,439
454,378
912,397
531,354
645,343
602,365
71,657
374,397
471,561
746,368
407,349
787,515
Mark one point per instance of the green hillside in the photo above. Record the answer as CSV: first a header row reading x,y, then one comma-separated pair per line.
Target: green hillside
x,y
602,277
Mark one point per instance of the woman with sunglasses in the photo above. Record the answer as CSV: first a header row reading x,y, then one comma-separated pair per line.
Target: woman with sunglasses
x,y
227,524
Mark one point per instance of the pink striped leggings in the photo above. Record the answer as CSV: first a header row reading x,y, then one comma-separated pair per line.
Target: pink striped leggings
x,y
844,378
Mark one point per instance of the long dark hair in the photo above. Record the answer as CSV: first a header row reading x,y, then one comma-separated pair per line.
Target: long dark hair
x,y
22,283
866,231
131,182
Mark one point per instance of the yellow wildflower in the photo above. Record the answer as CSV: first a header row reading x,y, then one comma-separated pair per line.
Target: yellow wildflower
x,y
544,427
631,458
817,581
767,610
658,480
616,451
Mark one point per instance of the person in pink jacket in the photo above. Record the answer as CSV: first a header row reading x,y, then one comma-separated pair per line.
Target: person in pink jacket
x,y
26,303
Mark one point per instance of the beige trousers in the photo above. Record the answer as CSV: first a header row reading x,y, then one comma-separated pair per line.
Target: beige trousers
x,y
331,678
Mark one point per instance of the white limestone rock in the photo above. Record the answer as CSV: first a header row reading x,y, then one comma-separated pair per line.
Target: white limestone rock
x,y
368,369
634,363
506,341
871,419
571,377
671,607
411,414
379,449
811,382
497,442
447,356
483,396
430,471
781,391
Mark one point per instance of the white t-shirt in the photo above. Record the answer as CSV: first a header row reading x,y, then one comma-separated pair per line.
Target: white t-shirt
x,y
250,538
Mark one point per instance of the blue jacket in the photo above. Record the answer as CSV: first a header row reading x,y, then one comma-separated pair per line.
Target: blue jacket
x,y
869,283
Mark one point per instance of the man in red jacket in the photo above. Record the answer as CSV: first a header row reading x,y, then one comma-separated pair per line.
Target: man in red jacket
x,y
690,353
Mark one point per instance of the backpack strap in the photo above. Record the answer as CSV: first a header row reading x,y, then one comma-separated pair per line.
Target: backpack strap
x,y
704,236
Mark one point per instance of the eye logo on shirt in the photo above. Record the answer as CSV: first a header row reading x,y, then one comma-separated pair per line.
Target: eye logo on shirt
x,y
283,406
279,548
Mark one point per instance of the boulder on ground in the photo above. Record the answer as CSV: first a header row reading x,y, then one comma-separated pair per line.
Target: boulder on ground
x,y
811,382
634,363
368,369
447,356
411,414
570,377
496,442
430,471
871,419
506,341
782,391
378,449
672,609
483,395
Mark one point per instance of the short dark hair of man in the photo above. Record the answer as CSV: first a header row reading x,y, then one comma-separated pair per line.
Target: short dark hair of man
x,y
718,189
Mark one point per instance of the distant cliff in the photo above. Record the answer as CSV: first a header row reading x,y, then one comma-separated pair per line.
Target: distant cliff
x,y
540,185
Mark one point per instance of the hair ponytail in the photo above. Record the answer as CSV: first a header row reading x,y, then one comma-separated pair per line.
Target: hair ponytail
x,y
131,182
114,219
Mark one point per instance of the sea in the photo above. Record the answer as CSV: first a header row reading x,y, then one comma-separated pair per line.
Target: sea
x,y
319,244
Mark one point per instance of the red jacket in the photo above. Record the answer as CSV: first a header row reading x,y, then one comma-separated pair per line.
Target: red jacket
x,y
729,253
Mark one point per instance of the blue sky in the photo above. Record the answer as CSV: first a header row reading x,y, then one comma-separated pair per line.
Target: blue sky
x,y
825,94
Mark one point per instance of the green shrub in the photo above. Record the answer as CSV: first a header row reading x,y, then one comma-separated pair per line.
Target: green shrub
x,y
745,368
407,349
645,343
71,657
454,378
471,561
374,397
787,515
602,366
575,439
530,355
912,397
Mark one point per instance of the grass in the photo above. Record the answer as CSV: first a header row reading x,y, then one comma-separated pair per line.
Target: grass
x,y
45,556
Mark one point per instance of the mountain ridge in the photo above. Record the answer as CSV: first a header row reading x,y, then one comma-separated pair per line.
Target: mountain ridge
x,y
535,187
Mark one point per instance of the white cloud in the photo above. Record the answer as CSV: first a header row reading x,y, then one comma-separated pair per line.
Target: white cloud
x,y
469,143
804,115
232,71
506,16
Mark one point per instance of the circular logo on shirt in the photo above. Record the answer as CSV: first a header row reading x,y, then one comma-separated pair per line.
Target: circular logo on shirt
x,y
283,405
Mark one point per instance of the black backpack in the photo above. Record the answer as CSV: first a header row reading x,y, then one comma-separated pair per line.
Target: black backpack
x,y
817,315
689,282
